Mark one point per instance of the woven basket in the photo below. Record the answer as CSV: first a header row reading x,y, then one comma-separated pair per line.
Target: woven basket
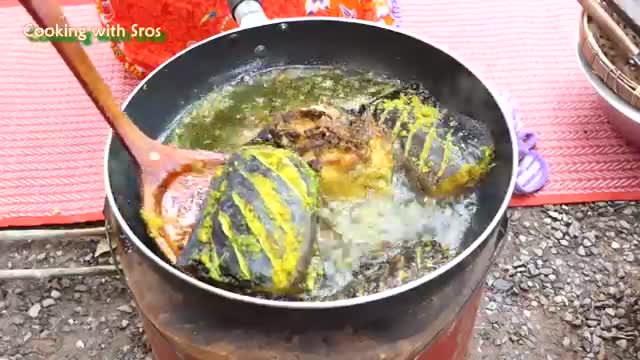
x,y
608,61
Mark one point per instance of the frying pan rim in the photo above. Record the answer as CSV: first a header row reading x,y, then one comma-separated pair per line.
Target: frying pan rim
x,y
315,305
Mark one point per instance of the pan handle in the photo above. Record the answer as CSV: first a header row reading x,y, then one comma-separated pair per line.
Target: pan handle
x,y
247,13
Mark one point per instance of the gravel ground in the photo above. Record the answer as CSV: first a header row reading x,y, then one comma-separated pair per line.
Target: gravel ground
x,y
567,286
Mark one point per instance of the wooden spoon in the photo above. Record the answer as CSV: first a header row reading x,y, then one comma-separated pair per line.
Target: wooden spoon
x,y
160,165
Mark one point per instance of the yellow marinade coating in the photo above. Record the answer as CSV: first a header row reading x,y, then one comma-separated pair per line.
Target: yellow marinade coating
x,y
286,256
372,176
285,261
279,162
204,233
467,175
154,224
425,115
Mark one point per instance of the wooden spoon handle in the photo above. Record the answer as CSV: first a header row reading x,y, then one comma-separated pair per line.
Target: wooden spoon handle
x,y
606,22
48,14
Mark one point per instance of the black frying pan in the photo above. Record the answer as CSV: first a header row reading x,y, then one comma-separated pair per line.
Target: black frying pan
x,y
399,322
261,44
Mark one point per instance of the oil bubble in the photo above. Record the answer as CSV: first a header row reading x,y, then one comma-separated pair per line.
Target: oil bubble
x,y
260,50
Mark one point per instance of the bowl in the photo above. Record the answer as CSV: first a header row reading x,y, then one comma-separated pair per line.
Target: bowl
x,y
624,117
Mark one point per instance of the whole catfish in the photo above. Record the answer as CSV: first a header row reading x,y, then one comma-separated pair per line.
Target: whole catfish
x,y
444,152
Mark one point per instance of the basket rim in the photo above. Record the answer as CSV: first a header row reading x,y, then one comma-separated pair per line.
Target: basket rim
x,y
594,53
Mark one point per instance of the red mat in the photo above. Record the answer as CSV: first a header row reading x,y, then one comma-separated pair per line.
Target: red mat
x,y
52,139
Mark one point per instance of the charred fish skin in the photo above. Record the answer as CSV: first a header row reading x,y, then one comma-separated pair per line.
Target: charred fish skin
x,y
254,230
352,155
443,152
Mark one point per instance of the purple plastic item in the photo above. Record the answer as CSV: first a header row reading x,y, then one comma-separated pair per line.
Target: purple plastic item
x,y
526,142
532,173
533,170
